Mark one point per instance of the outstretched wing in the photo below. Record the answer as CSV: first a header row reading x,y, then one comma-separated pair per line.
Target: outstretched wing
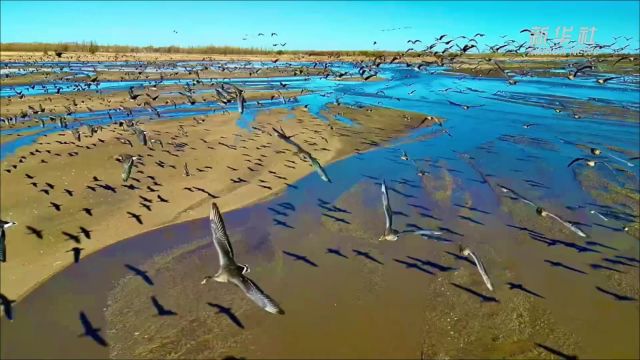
x,y
576,160
386,207
220,237
319,169
126,172
256,294
569,225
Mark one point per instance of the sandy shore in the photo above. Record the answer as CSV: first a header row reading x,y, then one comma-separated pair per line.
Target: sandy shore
x,y
217,152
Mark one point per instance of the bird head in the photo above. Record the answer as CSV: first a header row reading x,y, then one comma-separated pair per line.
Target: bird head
x,y
541,211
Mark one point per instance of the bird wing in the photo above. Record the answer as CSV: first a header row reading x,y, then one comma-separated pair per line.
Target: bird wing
x,y
253,291
319,169
576,160
128,166
568,225
388,214
454,103
481,270
220,237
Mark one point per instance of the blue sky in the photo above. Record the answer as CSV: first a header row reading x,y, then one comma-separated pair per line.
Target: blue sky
x,y
305,25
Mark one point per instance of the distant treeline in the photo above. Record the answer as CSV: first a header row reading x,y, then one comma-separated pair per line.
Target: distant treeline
x,y
92,47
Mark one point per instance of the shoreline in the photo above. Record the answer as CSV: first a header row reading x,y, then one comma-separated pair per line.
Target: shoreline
x,y
32,261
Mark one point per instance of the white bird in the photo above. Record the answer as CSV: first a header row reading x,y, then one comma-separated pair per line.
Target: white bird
x,y
232,271
479,265
390,233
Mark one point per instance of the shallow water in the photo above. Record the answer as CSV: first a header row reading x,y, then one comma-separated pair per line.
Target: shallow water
x,y
377,307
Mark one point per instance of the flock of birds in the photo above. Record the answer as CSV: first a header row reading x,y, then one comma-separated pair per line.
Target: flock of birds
x,y
444,51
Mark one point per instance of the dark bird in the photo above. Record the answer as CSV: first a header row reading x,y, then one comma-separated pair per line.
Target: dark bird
x,y
141,273
160,309
88,211
76,253
232,271
90,331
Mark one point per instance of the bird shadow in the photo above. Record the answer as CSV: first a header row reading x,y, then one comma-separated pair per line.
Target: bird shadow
x,y
141,273
410,265
564,266
228,313
460,257
557,352
160,309
515,286
432,264
617,297
483,298
367,256
336,252
298,257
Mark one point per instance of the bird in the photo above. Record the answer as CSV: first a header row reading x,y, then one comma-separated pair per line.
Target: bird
x,y
90,331
575,73
76,253
464,107
390,233
3,245
127,163
232,271
467,252
6,306
544,213
603,81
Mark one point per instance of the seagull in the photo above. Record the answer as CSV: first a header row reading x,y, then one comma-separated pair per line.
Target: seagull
x,y
590,163
603,81
390,233
127,162
544,213
464,107
3,244
578,70
232,271
467,252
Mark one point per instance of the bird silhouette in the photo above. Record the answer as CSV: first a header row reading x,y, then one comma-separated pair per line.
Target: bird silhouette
x,y
141,273
90,331
228,313
160,309
76,253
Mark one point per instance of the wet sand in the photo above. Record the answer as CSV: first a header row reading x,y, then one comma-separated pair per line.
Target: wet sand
x,y
217,151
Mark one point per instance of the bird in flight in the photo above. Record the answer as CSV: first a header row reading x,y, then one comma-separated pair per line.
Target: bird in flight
x,y
390,233
3,244
467,252
230,270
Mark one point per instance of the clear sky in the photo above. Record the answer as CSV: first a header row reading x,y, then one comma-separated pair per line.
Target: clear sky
x,y
305,25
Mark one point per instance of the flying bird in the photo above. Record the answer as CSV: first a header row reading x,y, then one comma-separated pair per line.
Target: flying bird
x,y
3,245
232,271
467,252
390,233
